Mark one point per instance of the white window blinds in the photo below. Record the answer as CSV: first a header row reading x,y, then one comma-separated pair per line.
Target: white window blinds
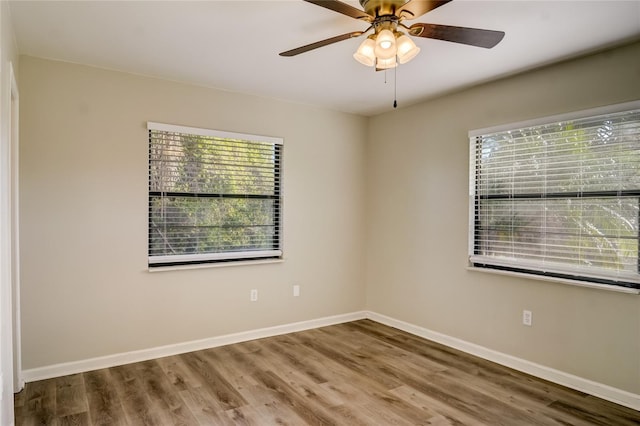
x,y
213,196
559,198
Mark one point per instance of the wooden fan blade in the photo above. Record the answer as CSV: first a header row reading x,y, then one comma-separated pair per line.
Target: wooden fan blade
x,y
416,8
345,9
464,35
308,47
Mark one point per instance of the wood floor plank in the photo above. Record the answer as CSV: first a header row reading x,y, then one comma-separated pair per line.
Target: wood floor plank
x,y
252,392
272,413
77,419
159,390
373,384
40,403
468,400
18,399
315,366
345,356
610,410
204,408
71,397
237,375
256,363
359,373
354,415
248,416
286,349
226,396
178,373
105,407
384,375
594,414
347,393
138,406
445,411
292,367
445,356
311,412
526,410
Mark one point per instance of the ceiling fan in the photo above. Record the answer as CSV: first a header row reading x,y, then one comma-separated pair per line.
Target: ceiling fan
x,y
388,45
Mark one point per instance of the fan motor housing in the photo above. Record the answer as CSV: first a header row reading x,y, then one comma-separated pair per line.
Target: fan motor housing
x,y
378,8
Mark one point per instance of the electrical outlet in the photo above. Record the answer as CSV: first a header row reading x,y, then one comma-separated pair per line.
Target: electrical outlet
x,y
254,295
527,318
296,290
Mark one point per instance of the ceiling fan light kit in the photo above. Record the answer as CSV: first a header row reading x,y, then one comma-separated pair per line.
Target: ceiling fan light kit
x,y
366,52
385,64
407,49
382,50
385,45
388,46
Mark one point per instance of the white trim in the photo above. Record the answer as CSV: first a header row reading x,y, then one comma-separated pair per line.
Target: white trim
x,y
201,257
63,369
592,112
556,268
264,261
548,278
14,110
213,133
6,260
600,390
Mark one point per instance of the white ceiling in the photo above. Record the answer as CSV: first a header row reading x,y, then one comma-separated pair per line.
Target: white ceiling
x,y
234,45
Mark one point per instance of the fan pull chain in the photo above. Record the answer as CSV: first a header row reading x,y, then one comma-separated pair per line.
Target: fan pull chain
x,y
395,87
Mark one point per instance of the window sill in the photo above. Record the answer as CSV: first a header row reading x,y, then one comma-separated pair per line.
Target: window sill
x,y
577,283
213,265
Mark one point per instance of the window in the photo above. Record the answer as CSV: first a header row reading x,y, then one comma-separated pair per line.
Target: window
x,y
559,197
213,196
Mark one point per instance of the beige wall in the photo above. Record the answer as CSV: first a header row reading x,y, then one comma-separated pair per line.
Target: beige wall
x,y
86,289
417,227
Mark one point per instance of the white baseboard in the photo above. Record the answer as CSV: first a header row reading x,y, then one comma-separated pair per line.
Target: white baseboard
x,y
64,369
600,390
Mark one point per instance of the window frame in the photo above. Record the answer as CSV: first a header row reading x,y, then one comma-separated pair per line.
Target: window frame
x,y
506,267
229,257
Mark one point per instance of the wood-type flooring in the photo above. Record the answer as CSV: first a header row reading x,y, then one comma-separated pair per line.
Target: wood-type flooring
x,y
357,373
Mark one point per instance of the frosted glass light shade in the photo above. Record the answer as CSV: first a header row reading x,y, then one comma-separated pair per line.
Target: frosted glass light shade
x,y
407,49
366,53
384,64
385,45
